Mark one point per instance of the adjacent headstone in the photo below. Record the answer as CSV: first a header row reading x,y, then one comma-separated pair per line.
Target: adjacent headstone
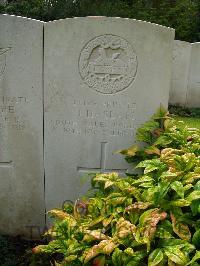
x,y
193,95
180,73
21,125
103,77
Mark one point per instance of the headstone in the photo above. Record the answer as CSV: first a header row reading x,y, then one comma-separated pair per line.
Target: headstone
x,y
103,77
193,95
21,125
180,73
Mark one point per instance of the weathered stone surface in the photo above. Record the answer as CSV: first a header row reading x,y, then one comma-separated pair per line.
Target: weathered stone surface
x,y
193,95
21,125
103,78
180,73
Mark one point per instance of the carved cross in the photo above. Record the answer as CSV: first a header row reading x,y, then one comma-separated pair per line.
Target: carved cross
x,y
102,168
6,164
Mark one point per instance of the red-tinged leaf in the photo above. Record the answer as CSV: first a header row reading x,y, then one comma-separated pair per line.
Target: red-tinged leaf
x,y
152,150
138,206
149,220
182,230
124,228
94,235
104,247
99,261
61,215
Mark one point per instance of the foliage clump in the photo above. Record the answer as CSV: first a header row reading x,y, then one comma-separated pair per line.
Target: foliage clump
x,y
149,217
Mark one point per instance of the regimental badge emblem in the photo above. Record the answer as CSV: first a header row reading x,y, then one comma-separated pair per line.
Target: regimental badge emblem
x,y
108,64
3,52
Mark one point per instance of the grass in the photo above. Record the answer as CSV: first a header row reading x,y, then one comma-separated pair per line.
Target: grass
x,y
189,121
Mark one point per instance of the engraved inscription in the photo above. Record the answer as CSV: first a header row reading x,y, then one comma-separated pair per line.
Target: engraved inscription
x,y
108,64
106,118
9,108
3,52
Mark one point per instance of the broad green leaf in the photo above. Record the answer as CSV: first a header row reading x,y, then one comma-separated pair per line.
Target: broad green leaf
x,y
178,187
129,251
180,203
196,239
169,176
163,141
151,165
171,242
116,201
155,257
137,259
117,257
70,258
163,188
196,257
176,255
163,233
197,186
144,133
143,179
193,195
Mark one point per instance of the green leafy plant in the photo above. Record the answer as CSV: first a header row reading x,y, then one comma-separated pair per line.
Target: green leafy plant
x,y
146,218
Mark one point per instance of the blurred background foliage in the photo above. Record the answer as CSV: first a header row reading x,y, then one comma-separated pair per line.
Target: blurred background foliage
x,y
182,15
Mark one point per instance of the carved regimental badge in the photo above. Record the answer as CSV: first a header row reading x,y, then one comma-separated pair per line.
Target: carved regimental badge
x,y
3,52
108,64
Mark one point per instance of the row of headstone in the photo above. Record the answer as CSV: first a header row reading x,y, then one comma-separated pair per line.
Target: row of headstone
x,y
72,92
185,87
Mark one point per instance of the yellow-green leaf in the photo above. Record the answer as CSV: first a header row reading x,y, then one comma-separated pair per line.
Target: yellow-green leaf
x,y
155,257
176,255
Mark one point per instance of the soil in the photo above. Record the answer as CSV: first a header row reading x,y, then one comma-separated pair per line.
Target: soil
x,y
17,251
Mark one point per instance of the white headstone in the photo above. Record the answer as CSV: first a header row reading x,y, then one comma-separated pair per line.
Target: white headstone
x,y
21,125
103,78
193,95
180,73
